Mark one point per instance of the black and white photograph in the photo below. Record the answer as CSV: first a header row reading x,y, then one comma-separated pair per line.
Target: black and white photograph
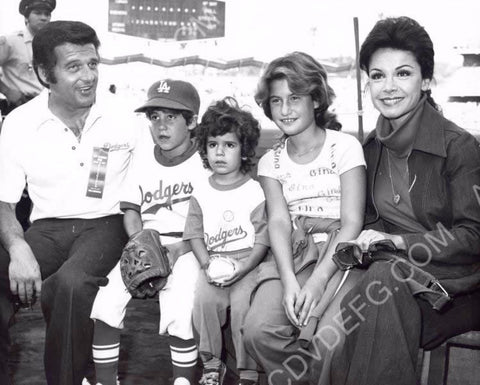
x,y
239,192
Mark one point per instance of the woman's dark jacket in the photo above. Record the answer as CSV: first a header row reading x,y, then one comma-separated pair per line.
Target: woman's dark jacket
x,y
445,199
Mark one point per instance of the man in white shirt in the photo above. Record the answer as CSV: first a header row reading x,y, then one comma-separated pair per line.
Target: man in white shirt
x,y
18,81
74,155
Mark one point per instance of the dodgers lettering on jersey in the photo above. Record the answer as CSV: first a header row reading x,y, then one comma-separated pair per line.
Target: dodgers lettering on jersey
x,y
168,196
219,240
163,192
225,219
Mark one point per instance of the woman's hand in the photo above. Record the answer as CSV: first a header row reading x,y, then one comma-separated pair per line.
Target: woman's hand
x,y
308,299
367,237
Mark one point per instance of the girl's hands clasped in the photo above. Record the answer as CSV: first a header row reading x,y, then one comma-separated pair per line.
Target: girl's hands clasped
x,y
291,290
308,299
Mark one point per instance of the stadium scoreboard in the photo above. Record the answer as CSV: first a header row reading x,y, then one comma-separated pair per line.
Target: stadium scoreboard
x,y
167,19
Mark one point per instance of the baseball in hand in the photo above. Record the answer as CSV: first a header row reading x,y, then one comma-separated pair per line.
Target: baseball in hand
x,y
220,269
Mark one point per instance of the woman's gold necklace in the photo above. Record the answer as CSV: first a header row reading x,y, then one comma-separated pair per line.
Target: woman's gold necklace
x,y
396,196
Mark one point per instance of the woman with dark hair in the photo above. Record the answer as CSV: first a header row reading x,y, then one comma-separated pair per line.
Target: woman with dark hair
x,y
422,194
314,183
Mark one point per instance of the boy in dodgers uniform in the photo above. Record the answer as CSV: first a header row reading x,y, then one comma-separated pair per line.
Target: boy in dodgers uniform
x,y
161,183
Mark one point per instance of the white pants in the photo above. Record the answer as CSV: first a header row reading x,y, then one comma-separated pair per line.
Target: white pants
x,y
175,299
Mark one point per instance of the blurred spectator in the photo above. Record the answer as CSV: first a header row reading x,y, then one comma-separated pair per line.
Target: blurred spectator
x,y
19,82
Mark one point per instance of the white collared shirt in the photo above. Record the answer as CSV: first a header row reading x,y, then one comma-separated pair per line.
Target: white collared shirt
x,y
36,147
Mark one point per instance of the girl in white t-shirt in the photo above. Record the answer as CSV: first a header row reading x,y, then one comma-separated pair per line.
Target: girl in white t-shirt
x,y
314,183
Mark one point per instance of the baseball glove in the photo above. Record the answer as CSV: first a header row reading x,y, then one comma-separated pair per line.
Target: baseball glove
x,y
144,264
220,268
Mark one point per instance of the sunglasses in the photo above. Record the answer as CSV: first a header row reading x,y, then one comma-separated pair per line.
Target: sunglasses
x,y
349,255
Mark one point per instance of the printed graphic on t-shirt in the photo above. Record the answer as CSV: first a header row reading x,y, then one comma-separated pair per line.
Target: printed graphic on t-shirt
x,y
314,192
314,189
311,190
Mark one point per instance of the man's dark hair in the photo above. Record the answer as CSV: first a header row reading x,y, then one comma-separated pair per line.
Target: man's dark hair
x,y
53,35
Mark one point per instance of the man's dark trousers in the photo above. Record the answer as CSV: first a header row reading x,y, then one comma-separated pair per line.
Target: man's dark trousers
x,y
74,255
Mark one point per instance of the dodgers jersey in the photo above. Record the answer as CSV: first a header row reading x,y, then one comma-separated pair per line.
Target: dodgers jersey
x,y
228,218
160,190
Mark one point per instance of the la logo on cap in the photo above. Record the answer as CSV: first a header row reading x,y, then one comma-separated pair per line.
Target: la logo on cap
x,y
163,87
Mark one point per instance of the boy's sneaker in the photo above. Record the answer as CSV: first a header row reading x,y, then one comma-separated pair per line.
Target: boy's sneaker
x,y
213,376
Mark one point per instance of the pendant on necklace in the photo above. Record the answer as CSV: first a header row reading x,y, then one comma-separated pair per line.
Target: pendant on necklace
x,y
396,198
